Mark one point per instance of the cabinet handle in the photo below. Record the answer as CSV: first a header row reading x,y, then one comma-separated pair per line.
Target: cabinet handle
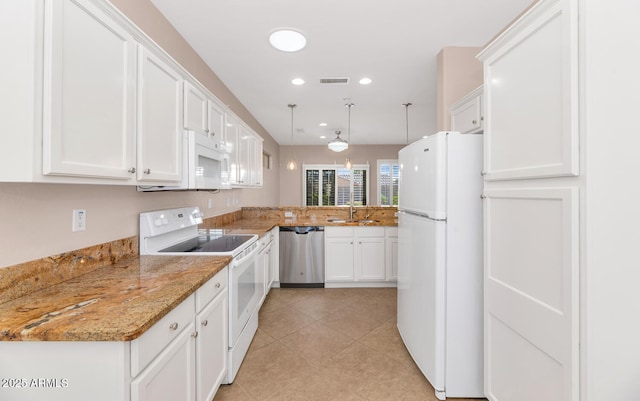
x,y
206,130
147,171
132,170
483,173
194,334
483,196
474,122
351,243
217,285
174,326
205,323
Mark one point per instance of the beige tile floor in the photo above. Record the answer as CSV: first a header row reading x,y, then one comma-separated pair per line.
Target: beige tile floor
x,y
328,345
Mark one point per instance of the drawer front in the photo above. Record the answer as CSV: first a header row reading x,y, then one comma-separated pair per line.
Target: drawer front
x,y
370,232
338,232
211,288
146,347
391,231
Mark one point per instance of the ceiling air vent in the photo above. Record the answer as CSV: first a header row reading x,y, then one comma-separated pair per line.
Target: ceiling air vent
x,y
334,81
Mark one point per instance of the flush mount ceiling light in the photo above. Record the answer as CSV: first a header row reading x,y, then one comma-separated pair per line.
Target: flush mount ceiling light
x,y
287,40
365,81
297,81
338,144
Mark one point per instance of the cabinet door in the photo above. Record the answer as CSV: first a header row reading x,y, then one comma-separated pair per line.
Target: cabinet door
x,y
391,254
256,161
171,376
232,144
89,93
369,259
466,115
531,96
244,156
195,110
531,298
339,259
215,115
211,347
159,120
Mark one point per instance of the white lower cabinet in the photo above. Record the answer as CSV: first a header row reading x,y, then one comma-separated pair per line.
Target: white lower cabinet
x,y
193,364
211,347
171,374
356,256
391,250
183,356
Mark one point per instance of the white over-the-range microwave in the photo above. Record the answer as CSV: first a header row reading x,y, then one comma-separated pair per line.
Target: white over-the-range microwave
x,y
205,165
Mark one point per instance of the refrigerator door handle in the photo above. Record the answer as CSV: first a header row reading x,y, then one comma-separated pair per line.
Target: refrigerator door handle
x,y
425,215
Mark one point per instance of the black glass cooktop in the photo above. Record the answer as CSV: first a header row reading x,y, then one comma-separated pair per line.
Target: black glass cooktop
x,y
210,244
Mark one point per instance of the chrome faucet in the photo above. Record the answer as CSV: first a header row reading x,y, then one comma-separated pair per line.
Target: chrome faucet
x,y
352,211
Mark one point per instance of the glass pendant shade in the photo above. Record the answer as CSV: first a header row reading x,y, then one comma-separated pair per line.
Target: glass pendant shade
x,y
338,144
291,164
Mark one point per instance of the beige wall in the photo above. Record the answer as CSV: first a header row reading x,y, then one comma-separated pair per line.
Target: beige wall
x,y
458,74
291,181
36,218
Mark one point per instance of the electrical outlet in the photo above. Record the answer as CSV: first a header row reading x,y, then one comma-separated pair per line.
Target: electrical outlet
x,y
288,214
209,203
79,220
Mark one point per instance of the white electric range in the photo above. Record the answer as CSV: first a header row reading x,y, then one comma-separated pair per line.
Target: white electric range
x,y
177,232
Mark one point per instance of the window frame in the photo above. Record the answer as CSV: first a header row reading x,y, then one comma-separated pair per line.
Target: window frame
x,y
335,167
379,163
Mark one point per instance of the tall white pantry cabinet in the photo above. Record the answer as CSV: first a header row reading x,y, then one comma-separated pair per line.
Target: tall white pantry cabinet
x,y
561,204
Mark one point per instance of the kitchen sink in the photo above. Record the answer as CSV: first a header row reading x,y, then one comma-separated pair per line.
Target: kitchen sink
x,y
363,221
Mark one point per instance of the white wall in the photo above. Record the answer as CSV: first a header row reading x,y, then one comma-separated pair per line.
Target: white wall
x,y
611,272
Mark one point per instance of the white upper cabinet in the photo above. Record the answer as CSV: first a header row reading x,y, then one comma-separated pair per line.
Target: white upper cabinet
x,y
215,122
232,142
195,110
159,120
466,114
91,99
89,93
530,94
245,147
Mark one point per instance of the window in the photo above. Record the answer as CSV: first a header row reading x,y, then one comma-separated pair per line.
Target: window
x,y
388,172
333,185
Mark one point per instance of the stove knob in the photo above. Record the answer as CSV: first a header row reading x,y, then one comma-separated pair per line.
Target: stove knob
x,y
165,221
157,222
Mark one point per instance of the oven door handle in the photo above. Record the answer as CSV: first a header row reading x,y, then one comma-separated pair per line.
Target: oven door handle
x,y
237,262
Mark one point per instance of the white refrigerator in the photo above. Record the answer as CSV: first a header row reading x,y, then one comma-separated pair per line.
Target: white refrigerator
x,y
440,260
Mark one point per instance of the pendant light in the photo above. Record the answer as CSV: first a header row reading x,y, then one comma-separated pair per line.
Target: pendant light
x,y
347,163
406,113
291,164
338,144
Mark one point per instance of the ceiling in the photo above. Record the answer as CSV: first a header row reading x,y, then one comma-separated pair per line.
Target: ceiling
x,y
394,43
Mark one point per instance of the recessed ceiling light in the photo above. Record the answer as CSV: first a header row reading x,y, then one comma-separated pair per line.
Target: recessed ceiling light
x,y
297,81
365,81
323,137
323,124
287,40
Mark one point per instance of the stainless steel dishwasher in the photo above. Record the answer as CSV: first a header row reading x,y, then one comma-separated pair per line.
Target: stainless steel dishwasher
x,y
302,256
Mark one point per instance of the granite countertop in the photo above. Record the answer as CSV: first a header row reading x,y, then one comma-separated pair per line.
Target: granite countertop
x,y
113,303
120,301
